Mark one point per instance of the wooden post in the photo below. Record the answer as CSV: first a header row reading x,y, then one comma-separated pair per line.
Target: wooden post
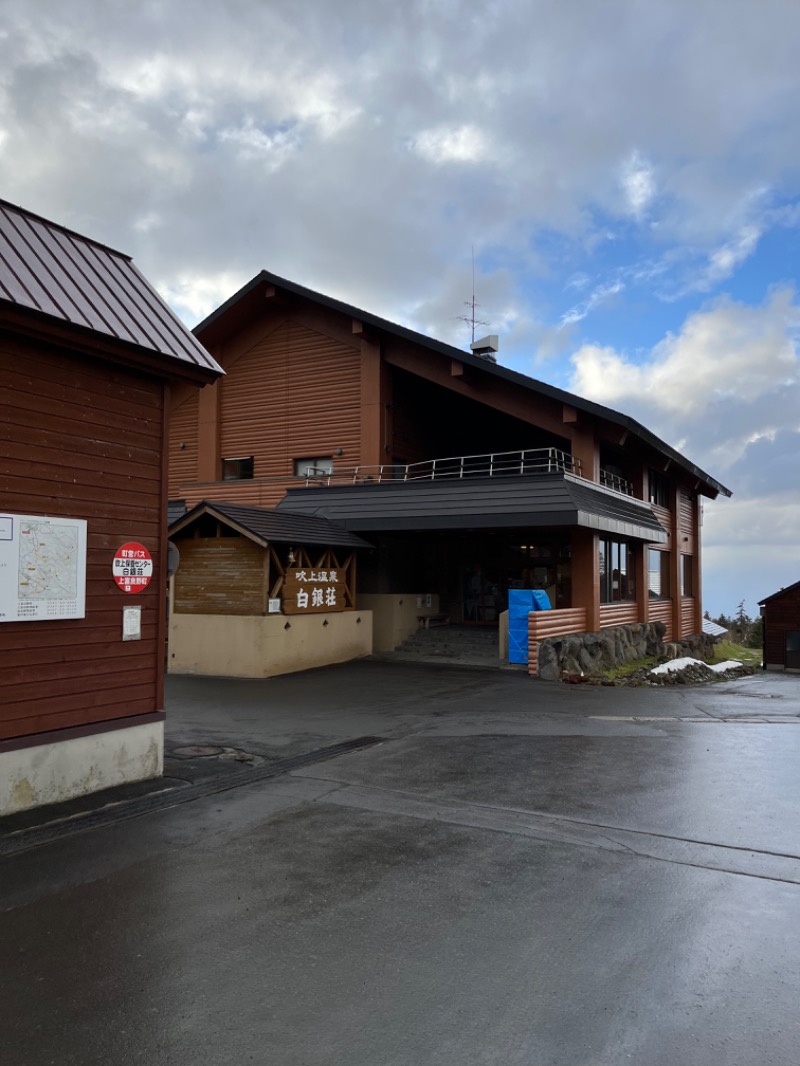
x,y
586,575
208,457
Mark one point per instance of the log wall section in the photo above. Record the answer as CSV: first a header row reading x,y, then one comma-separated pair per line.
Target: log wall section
x,y
220,575
661,611
82,439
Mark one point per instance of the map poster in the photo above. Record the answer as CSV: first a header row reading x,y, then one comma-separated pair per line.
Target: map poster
x,y
42,568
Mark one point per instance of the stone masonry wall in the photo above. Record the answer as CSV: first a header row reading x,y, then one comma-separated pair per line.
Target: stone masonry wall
x,y
592,653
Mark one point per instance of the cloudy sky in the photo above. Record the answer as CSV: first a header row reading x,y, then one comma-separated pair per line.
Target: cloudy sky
x,y
627,173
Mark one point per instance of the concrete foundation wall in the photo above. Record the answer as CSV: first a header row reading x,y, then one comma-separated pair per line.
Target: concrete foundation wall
x,y
395,617
61,770
265,646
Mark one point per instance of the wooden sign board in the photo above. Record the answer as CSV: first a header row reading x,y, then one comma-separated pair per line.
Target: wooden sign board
x,y
310,591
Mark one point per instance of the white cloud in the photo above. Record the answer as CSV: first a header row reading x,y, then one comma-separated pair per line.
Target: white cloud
x,y
722,351
452,144
600,295
724,260
194,296
638,184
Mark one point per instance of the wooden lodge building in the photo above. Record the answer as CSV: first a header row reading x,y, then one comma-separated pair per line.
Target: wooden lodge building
x,y
466,479
88,353
781,619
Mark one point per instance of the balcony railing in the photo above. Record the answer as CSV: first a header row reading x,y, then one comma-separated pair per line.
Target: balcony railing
x,y
615,482
494,464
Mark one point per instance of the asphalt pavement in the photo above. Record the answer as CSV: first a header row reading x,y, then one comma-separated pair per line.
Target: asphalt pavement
x,y
497,870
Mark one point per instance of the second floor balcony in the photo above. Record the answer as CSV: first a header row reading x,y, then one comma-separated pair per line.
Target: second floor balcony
x,y
492,464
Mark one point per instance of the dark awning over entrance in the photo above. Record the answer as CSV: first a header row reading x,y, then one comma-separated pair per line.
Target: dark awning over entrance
x,y
479,503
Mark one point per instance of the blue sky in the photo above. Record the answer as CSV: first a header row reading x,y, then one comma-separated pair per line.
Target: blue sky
x,y
626,173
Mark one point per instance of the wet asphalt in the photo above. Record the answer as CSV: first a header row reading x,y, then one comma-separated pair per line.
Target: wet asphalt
x,y
508,872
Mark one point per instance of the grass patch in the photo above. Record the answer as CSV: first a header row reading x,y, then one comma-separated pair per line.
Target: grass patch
x,y
726,649
627,669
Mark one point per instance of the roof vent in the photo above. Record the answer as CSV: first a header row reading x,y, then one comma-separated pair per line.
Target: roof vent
x,y
486,347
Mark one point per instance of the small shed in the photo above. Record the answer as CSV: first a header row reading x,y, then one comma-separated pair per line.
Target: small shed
x,y
88,353
260,592
781,617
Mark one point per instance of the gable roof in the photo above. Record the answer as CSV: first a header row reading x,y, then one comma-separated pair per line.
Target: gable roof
x,y
781,592
264,525
248,300
67,278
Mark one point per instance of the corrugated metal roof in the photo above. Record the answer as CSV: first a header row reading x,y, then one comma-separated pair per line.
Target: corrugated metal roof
x,y
712,629
270,526
479,503
60,274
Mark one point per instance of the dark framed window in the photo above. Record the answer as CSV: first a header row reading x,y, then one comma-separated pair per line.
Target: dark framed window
x,y
687,575
658,575
314,466
238,469
658,488
617,571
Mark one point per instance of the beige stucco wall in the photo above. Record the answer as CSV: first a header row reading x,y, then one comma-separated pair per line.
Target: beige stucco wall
x,y
61,770
241,646
394,617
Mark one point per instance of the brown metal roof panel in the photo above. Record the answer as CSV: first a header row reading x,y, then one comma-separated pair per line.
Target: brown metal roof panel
x,y
19,278
47,268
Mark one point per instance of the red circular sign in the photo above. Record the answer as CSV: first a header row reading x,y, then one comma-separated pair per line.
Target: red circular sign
x,y
132,567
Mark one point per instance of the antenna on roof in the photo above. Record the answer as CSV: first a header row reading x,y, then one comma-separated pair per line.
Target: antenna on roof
x,y
470,319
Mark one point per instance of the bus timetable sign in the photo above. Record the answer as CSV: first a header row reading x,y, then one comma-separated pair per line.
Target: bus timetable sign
x,y
132,567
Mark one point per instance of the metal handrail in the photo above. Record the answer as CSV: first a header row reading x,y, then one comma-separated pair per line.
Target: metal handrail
x,y
492,464
615,482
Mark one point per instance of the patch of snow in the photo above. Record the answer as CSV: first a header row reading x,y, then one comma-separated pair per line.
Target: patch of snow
x,y
675,665
729,664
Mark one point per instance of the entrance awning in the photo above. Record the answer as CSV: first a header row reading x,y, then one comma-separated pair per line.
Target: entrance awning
x,y
554,500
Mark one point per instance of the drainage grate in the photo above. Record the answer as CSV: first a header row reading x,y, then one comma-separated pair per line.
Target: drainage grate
x,y
172,797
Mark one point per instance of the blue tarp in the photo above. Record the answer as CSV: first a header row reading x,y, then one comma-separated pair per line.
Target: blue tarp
x,y
520,604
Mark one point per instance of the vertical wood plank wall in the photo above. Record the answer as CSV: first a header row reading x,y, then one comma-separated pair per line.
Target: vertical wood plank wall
x,y
83,440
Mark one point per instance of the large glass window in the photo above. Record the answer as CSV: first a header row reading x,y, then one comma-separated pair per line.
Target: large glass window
x,y
617,571
658,574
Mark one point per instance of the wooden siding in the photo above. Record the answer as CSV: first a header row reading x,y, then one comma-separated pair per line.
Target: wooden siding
x,y
664,516
255,493
661,611
294,395
220,575
183,445
82,439
687,616
781,615
618,614
687,521
542,625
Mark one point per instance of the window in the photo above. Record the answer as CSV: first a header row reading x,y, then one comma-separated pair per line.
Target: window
x,y
617,572
321,464
239,469
659,488
687,575
658,575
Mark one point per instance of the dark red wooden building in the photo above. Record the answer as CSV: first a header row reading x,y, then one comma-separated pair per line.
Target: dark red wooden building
x,y
781,615
88,352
